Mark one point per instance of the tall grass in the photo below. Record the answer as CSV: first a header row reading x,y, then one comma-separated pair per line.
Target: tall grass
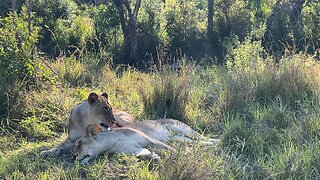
x,y
266,115
167,95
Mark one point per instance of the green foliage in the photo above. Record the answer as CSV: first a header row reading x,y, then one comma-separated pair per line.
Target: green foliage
x,y
311,23
185,28
17,45
149,29
65,29
20,67
265,112
233,17
72,72
246,57
107,29
72,35
50,12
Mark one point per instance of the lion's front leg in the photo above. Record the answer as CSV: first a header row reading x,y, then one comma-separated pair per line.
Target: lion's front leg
x,y
64,147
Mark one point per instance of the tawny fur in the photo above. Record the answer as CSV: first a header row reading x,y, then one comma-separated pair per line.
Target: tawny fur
x,y
95,110
135,137
119,140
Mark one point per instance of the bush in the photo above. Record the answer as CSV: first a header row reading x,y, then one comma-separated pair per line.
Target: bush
x,y
107,30
65,28
184,28
310,15
72,35
20,67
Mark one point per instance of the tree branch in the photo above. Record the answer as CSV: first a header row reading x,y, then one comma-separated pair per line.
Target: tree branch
x,y
136,9
127,5
123,21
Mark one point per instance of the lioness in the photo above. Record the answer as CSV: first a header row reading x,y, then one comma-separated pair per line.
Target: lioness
x,y
124,140
95,110
135,137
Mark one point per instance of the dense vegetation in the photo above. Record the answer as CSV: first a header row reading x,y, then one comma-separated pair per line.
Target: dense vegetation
x,y
249,75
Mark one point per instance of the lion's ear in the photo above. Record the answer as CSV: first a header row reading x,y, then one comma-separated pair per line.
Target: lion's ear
x,y
104,94
93,97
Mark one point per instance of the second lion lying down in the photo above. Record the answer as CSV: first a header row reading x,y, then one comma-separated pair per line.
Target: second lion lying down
x,y
125,140
135,138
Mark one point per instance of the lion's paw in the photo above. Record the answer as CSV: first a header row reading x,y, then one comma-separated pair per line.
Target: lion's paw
x,y
155,157
50,153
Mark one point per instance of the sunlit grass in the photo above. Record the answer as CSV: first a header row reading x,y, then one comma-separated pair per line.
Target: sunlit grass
x,y
267,120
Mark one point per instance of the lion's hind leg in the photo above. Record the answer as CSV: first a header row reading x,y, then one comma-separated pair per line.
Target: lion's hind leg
x,y
182,139
145,154
160,145
187,140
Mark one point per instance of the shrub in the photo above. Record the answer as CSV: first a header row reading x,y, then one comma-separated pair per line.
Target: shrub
x,y
20,67
72,35
107,29
310,15
184,28
66,29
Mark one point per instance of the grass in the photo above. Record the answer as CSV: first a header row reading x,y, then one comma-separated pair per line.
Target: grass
x,y
266,116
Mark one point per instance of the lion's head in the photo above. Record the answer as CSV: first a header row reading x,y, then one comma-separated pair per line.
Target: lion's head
x,y
85,149
101,109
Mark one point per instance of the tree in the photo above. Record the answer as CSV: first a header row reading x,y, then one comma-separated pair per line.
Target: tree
x,y
210,22
285,27
128,19
13,5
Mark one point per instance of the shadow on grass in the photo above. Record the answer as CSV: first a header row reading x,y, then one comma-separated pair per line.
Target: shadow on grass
x,y
25,162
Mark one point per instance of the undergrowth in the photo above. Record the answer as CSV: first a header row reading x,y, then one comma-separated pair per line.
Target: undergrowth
x,y
265,114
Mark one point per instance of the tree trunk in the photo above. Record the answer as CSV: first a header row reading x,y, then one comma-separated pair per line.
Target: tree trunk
x,y
210,24
13,5
29,16
134,56
29,25
128,19
210,20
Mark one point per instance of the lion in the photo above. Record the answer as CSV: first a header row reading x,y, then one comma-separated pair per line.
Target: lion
x,y
98,111
135,137
95,110
119,140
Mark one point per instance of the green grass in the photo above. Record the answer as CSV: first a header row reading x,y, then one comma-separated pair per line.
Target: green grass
x,y
267,117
